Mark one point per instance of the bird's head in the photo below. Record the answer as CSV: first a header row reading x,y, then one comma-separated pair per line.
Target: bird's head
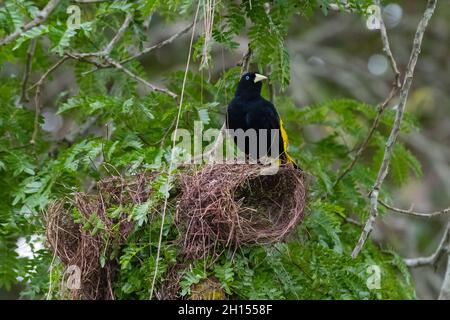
x,y
250,85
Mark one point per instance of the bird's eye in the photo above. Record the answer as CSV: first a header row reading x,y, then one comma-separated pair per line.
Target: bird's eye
x,y
247,78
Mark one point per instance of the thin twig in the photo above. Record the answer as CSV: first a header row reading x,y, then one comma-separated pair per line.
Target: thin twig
x,y
380,110
40,18
387,48
118,35
245,62
107,61
415,213
158,45
26,75
113,63
362,147
404,91
146,50
37,97
353,221
120,67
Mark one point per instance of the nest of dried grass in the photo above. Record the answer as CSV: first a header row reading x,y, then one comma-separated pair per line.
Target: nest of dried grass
x,y
235,205
81,248
230,205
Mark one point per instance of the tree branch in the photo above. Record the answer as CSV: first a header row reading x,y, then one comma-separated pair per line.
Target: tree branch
x,y
147,50
107,61
118,35
40,18
445,288
415,213
26,75
380,109
404,91
158,45
431,260
37,98
387,48
120,67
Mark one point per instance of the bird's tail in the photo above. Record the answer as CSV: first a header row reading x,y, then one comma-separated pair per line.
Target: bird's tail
x,y
286,158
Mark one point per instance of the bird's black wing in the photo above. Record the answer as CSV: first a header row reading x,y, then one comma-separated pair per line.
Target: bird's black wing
x,y
262,115
273,121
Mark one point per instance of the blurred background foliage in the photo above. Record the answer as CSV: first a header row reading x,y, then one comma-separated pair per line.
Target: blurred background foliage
x,y
327,74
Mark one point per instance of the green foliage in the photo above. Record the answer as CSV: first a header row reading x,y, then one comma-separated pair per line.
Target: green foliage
x,y
132,133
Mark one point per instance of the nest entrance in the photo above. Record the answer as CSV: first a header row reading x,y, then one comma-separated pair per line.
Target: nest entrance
x,y
236,205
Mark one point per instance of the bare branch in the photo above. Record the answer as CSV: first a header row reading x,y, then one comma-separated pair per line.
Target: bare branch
x,y
118,35
120,67
159,44
343,7
86,58
101,59
445,288
404,91
387,48
26,75
40,18
245,62
108,48
415,213
431,260
443,248
110,62
380,110
147,50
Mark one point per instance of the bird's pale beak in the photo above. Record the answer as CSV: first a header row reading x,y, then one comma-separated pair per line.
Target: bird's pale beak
x,y
259,77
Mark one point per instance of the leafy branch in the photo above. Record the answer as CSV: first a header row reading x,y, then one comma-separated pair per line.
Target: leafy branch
x,y
40,18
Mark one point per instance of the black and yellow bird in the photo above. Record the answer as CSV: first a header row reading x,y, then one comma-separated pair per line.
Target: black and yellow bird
x,y
249,110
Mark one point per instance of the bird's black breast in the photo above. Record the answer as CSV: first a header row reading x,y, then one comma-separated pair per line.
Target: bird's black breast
x,y
257,114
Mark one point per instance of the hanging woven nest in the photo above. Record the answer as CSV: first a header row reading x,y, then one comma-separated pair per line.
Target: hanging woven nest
x,y
236,205
81,248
